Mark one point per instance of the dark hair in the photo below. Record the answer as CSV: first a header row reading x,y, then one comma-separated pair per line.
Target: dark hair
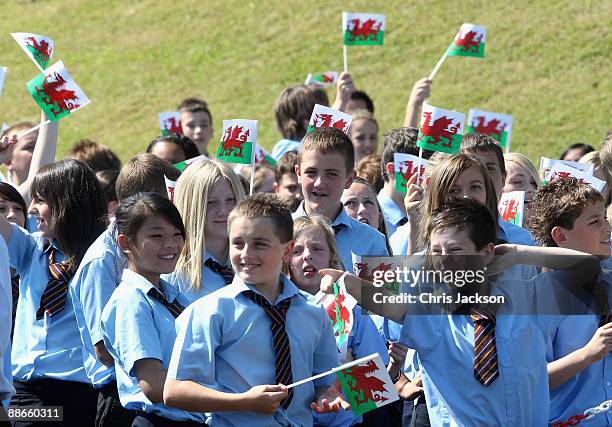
x,y
97,156
144,172
558,204
266,205
194,105
400,140
473,142
292,111
108,181
320,94
586,148
468,215
286,164
360,95
76,203
186,144
10,194
369,168
329,141
134,211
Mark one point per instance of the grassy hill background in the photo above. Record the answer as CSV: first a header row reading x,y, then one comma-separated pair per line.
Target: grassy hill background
x,y
547,63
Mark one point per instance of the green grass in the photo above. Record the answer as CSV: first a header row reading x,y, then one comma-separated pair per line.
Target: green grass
x,y
547,63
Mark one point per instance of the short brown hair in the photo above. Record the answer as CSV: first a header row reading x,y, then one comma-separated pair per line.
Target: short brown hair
x,y
473,142
266,205
98,157
286,164
558,204
143,173
193,105
369,168
18,127
400,140
292,109
329,141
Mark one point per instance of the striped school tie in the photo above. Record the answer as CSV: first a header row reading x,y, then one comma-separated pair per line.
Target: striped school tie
x,y
224,271
15,292
53,299
600,295
175,308
277,314
486,367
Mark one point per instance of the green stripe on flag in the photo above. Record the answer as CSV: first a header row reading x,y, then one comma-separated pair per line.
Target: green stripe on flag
x,y
501,138
354,394
477,51
42,60
270,160
236,154
52,109
443,145
400,183
365,39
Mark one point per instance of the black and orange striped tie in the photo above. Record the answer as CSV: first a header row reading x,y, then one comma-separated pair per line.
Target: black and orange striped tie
x,y
224,271
53,299
486,365
277,314
175,308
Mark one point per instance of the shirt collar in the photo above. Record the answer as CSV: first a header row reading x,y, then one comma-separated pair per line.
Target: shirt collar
x,y
139,282
238,286
390,208
341,218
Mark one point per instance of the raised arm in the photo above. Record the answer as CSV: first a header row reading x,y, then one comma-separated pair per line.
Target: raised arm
x,y
420,92
344,89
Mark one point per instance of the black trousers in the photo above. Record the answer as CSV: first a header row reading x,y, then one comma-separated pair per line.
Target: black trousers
x,y
144,419
110,412
77,399
420,415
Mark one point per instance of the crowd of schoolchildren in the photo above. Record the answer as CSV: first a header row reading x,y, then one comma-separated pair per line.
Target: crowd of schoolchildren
x,y
127,309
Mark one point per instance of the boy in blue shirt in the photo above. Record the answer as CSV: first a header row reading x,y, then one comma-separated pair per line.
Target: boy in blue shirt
x,y
6,380
238,348
571,214
325,168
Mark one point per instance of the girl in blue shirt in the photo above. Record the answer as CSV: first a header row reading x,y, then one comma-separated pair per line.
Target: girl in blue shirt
x,y
138,320
47,362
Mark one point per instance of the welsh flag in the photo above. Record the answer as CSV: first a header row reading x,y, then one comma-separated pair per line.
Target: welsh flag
x,y
237,141
3,71
559,171
170,186
441,130
38,48
372,269
496,125
546,165
183,165
405,166
325,79
366,384
262,156
56,93
511,207
325,117
469,41
363,28
170,122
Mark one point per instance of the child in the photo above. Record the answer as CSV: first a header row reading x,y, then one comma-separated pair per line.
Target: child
x,y
506,385
138,320
324,170
205,194
364,134
47,361
173,148
369,168
521,175
108,181
286,186
97,277
570,214
225,354
6,386
18,158
292,111
359,100
314,249
98,157
575,152
196,122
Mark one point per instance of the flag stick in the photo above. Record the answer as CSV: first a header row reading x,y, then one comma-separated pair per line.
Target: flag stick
x,y
419,165
345,58
25,132
332,371
438,65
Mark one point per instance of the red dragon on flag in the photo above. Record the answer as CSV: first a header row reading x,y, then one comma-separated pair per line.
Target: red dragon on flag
x,y
233,141
345,314
366,31
364,385
493,127
43,50
408,170
325,121
440,129
509,211
469,42
54,94
171,125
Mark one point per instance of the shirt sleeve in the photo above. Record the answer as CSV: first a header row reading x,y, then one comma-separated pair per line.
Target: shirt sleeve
x,y
21,248
326,353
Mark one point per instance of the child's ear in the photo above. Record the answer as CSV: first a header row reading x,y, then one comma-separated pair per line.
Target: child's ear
x,y
297,172
389,169
287,251
487,252
558,236
124,243
349,179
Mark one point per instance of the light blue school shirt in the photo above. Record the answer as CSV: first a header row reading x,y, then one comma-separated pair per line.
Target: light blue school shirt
x,y
49,347
209,282
224,342
354,236
363,340
589,387
391,211
97,277
136,326
283,146
445,346
6,304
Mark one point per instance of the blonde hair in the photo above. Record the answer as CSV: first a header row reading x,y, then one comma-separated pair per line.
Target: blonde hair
x,y
599,167
191,199
306,222
524,162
